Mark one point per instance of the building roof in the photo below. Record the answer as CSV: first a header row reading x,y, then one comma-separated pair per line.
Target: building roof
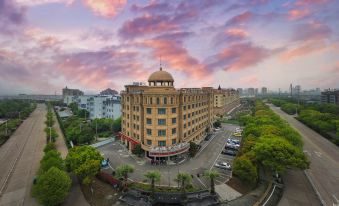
x,y
160,76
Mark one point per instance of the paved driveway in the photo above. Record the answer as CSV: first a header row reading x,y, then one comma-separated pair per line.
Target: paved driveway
x,y
204,160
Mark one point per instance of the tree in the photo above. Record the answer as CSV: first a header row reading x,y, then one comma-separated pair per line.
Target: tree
x,y
122,172
153,176
51,159
84,161
278,154
83,113
193,150
184,179
52,187
74,107
137,150
49,146
217,124
117,125
245,170
212,174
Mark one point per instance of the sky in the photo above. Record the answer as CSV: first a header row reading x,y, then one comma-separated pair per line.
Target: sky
x,y
92,45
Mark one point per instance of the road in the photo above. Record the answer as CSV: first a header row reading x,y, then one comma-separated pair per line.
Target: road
x,y
19,160
324,157
203,161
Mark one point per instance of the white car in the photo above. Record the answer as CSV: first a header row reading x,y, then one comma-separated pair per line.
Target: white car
x,y
223,165
238,130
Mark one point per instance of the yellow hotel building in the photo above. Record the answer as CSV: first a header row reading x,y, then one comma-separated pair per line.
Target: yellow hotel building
x,y
164,119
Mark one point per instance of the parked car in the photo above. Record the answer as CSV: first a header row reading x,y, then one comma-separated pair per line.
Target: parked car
x,y
208,137
223,165
238,129
237,134
231,152
104,163
108,179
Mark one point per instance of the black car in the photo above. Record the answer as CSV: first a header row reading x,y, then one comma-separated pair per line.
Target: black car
x,y
208,137
229,152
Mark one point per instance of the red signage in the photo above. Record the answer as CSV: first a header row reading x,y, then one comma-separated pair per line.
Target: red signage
x,y
129,139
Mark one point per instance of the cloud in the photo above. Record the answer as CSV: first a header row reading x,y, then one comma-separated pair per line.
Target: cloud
x,y
312,31
11,16
296,14
230,35
239,56
240,19
251,80
30,3
311,2
172,52
152,7
147,24
105,8
310,38
99,69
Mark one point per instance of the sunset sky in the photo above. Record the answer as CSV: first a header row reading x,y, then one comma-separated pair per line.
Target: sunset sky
x,y
95,44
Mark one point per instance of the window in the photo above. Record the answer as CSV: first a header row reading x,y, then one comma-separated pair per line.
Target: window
x,y
161,143
184,125
149,121
174,110
184,107
174,120
151,100
161,111
149,131
158,100
184,116
189,106
165,100
174,141
189,115
171,100
161,132
149,142
161,121
149,110
174,130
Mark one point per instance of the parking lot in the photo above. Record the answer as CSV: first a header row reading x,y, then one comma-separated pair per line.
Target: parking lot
x,y
205,160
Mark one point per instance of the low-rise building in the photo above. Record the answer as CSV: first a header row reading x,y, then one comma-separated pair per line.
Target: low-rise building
x,y
330,97
71,92
225,100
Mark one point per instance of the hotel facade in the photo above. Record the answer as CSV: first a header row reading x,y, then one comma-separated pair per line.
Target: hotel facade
x,y
162,119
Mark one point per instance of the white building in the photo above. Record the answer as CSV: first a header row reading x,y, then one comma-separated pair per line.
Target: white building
x,y
98,106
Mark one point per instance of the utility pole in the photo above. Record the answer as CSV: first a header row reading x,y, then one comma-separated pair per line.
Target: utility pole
x,y
6,127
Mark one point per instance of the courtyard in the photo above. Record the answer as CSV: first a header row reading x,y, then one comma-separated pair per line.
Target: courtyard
x,y
208,155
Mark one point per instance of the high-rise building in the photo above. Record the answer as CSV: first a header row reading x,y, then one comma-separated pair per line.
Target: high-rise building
x,y
240,91
251,91
264,91
162,119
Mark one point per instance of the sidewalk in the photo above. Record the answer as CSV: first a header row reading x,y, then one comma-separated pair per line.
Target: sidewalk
x,y
76,197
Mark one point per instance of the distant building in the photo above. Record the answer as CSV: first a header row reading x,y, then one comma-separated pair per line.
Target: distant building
x,y
71,92
109,91
256,91
264,91
250,91
98,106
330,96
225,100
240,91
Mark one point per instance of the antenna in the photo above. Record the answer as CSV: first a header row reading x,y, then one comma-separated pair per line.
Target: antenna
x,y
160,64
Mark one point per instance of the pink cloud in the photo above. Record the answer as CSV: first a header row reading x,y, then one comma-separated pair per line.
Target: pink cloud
x,y
105,8
310,2
177,57
147,24
241,18
305,49
239,56
296,14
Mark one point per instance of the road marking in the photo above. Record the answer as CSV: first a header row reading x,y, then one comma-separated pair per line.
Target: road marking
x,y
220,152
335,198
201,182
318,153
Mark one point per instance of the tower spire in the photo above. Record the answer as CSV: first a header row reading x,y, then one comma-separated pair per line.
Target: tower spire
x,y
160,64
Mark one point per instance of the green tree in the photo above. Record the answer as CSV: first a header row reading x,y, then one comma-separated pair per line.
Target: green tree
x,y
278,154
52,187
137,150
245,170
122,172
74,107
217,124
51,159
184,180
212,174
117,125
193,150
153,177
49,146
84,161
